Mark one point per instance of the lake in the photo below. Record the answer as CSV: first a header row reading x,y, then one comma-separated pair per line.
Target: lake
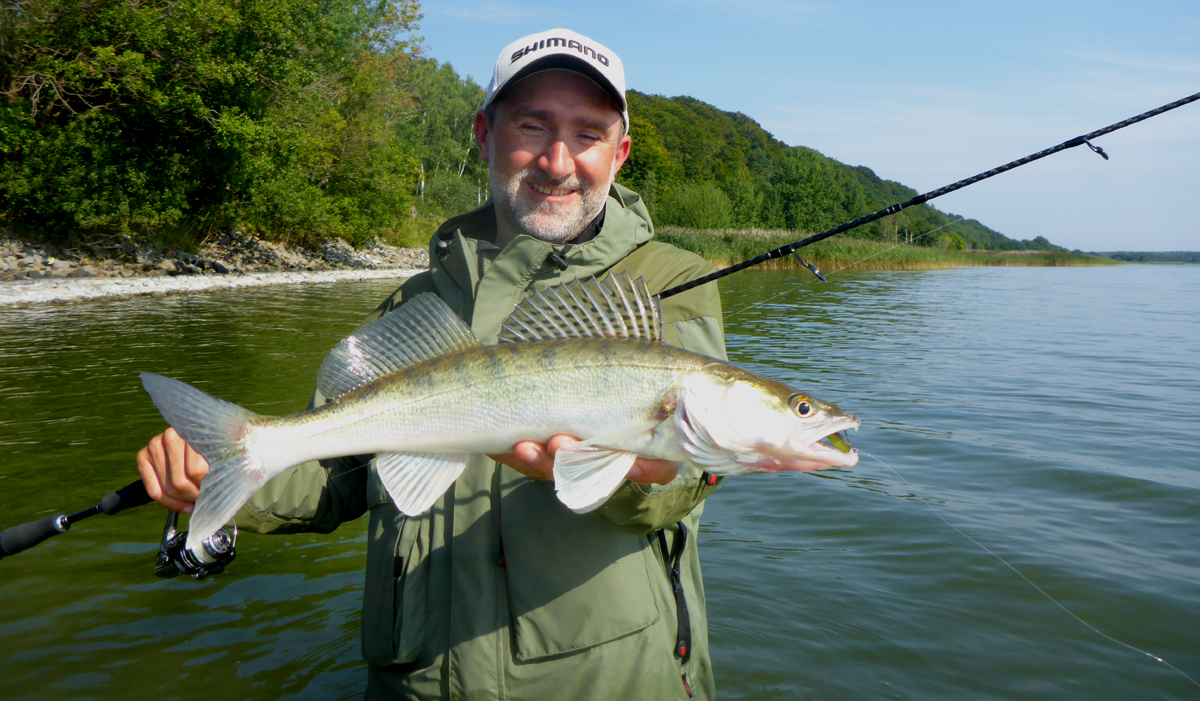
x,y
1047,418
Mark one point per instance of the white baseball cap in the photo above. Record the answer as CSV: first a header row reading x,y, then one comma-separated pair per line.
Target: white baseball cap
x,y
564,49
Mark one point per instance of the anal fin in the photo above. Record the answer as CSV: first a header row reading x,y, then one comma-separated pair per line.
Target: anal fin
x,y
416,480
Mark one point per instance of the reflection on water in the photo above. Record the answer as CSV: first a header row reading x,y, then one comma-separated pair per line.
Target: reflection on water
x,y
90,617
1051,414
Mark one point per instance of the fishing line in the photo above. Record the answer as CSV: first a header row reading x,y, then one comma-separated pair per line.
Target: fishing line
x,y
848,265
1029,581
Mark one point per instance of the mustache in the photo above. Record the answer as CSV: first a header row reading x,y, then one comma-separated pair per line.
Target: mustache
x,y
537,178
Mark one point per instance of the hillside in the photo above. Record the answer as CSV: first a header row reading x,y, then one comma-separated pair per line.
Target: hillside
x,y
703,168
167,123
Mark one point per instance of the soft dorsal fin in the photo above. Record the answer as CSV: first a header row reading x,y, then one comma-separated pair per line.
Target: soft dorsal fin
x,y
615,307
423,328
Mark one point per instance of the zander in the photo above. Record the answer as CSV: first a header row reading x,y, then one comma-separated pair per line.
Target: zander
x,y
416,388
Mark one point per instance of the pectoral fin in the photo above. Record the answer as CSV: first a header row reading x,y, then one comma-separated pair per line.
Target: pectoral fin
x,y
416,480
586,476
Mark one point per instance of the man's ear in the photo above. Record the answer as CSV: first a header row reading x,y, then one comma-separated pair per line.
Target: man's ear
x,y
622,153
483,132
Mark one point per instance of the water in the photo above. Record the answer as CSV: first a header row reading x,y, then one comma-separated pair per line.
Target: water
x,y
1050,414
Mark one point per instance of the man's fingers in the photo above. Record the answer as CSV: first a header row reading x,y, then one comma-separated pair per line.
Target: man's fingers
x,y
650,471
178,483
532,454
196,466
531,459
146,467
171,471
535,460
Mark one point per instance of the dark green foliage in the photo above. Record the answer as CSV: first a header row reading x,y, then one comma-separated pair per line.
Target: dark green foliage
x,y
178,115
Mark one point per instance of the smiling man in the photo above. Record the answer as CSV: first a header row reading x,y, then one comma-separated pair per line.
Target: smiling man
x,y
556,147
499,591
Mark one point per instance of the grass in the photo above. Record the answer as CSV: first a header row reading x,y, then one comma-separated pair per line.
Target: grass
x,y
726,247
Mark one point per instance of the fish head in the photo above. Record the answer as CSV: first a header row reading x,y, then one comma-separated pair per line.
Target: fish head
x,y
747,423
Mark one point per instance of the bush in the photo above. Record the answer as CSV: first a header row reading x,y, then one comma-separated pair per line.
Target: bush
x,y
140,117
703,206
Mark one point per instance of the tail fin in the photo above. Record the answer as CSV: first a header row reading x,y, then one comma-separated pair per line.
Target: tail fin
x,y
216,429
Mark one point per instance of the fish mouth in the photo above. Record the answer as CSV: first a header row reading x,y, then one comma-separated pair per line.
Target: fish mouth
x,y
834,448
830,450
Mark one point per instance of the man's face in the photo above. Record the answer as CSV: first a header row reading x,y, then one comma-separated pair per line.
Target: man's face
x,y
552,153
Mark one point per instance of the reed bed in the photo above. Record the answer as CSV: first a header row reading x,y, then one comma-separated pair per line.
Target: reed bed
x,y
726,247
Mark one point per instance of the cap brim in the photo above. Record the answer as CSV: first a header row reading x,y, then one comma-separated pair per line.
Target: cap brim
x,y
568,63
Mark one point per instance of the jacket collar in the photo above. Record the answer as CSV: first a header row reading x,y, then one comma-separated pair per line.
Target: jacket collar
x,y
483,289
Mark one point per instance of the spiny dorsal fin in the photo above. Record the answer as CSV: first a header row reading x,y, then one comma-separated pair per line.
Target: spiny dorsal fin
x,y
616,307
423,328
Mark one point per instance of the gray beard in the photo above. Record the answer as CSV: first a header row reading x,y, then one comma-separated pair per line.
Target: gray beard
x,y
544,221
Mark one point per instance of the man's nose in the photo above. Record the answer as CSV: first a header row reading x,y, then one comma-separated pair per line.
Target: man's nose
x,y
556,160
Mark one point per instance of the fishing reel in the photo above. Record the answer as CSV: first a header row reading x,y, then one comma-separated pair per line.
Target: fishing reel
x,y
175,558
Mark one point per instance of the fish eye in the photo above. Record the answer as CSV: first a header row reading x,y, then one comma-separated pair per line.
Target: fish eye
x,y
801,405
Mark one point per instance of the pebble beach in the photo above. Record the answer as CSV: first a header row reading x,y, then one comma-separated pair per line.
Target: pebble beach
x,y
32,273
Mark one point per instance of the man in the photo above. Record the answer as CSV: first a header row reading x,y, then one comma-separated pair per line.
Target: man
x,y
499,591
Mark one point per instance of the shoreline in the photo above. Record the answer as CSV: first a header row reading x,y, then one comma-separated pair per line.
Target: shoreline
x,y
61,290
725,247
36,273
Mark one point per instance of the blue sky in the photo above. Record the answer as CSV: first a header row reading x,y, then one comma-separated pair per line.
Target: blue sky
x,y
923,93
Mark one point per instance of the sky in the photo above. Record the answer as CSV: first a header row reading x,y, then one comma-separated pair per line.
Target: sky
x,y
925,94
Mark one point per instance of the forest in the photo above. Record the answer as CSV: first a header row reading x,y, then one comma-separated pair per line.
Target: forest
x,y
1153,256
297,120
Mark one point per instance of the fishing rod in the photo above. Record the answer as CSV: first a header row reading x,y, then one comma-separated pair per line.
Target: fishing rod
x,y
791,248
27,535
174,558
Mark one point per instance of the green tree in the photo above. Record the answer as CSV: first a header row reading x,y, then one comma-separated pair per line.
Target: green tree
x,y
812,193
157,115
453,173
648,157
703,206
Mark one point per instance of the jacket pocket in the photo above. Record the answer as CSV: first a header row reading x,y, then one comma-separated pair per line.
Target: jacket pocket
x,y
393,619
573,581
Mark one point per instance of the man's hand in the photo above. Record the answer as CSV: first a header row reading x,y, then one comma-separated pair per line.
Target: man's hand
x,y
171,471
536,460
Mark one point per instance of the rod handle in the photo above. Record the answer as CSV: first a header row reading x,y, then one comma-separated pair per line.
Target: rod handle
x,y
27,535
127,497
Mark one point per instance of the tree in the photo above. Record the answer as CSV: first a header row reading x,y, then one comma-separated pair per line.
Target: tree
x,y
143,115
703,206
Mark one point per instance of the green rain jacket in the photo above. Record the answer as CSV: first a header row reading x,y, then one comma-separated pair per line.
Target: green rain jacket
x,y
499,591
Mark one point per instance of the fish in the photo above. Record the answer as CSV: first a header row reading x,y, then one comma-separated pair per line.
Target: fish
x,y
418,390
